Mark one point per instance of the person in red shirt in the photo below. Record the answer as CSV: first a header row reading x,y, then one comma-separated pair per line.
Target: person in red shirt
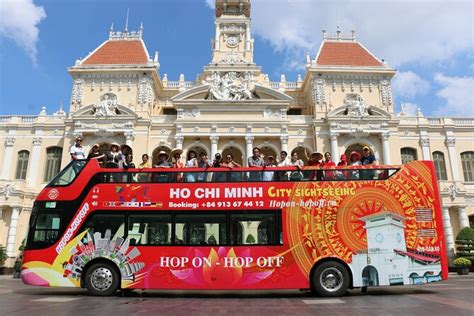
x,y
342,163
328,163
315,161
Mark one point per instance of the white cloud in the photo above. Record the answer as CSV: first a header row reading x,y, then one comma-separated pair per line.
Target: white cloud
x,y
211,3
398,31
458,93
19,21
408,85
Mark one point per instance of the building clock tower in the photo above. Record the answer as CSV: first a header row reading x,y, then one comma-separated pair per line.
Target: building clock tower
x,y
233,43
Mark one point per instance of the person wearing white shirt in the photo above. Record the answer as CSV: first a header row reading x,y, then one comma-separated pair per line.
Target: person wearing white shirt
x,y
77,151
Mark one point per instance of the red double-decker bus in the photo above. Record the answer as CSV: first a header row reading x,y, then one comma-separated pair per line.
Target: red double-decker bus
x,y
247,228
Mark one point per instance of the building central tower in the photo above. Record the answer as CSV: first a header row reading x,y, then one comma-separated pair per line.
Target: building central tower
x,y
233,43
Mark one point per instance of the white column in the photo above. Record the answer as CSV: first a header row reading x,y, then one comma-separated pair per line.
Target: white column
x,y
448,231
463,219
8,158
453,158
129,137
334,147
179,141
386,149
284,143
425,148
217,40
33,168
249,147
214,142
12,231
247,36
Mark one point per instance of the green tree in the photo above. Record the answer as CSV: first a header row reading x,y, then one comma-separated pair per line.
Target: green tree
x,y
250,239
3,255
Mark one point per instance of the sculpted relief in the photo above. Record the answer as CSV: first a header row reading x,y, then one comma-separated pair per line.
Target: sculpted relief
x,y
107,106
231,86
356,106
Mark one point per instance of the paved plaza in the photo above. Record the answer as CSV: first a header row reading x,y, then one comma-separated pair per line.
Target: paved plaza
x,y
451,297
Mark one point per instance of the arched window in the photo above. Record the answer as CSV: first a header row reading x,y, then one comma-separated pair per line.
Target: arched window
x,y
53,162
408,154
467,159
440,165
22,165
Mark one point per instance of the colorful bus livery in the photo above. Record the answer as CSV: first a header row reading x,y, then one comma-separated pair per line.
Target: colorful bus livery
x,y
106,229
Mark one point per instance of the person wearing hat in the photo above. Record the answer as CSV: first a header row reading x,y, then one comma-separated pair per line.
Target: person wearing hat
x,y
94,153
162,160
77,151
354,160
368,159
217,162
176,154
114,156
315,160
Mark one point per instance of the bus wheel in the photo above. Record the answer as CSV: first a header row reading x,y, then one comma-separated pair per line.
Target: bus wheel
x,y
330,279
102,279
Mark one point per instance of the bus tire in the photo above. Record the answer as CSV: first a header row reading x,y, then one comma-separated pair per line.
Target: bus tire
x,y
330,279
102,279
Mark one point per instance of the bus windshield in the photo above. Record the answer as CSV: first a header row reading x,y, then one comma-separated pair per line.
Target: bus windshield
x,y
68,174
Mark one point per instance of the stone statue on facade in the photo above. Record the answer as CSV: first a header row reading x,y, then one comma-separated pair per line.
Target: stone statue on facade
x,y
107,106
356,106
229,87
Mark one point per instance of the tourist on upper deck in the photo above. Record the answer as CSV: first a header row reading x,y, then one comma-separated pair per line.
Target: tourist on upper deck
x,y
191,162
217,162
94,153
255,160
176,154
283,162
231,164
162,160
354,160
114,156
342,163
204,163
268,175
315,160
128,163
297,162
146,163
368,159
328,163
77,151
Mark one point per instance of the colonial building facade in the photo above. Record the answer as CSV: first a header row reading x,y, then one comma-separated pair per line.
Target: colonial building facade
x,y
343,102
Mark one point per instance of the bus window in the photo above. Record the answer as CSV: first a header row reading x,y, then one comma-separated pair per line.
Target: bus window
x,y
46,228
255,228
68,174
109,226
150,229
200,229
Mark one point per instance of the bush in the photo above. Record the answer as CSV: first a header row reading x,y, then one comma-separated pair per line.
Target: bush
x,y
250,239
462,262
465,243
3,256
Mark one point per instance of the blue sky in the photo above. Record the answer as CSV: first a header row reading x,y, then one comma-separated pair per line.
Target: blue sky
x,y
430,43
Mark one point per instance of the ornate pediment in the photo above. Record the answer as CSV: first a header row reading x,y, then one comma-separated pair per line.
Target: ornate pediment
x,y
106,107
355,107
231,86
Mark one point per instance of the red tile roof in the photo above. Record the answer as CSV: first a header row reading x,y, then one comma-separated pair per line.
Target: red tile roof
x,y
345,54
122,52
